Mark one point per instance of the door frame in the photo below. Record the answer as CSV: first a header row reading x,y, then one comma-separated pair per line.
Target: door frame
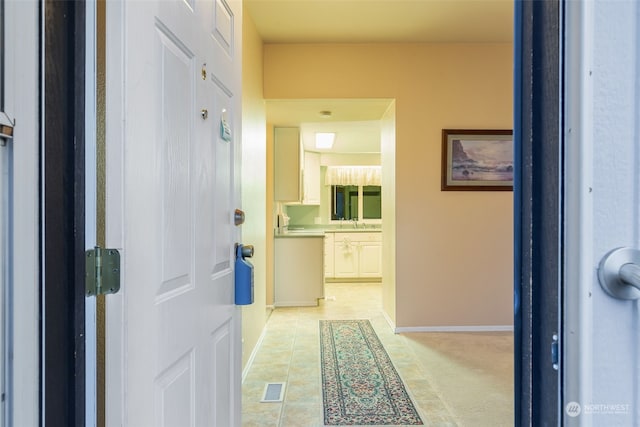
x,y
538,228
22,50
63,213
538,266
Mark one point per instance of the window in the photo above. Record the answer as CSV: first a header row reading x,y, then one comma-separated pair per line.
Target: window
x,y
347,201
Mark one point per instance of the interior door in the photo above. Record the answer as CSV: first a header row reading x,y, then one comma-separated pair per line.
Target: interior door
x,y
172,166
602,211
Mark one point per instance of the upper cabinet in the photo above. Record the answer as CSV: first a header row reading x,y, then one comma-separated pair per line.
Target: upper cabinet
x,y
297,172
311,178
287,164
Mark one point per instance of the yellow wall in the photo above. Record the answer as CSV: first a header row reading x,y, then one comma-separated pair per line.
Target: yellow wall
x,y
388,154
270,217
453,249
254,153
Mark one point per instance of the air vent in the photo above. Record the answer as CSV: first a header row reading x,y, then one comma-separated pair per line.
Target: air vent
x,y
273,392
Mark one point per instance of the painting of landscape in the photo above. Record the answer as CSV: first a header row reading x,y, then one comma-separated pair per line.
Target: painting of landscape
x,y
477,160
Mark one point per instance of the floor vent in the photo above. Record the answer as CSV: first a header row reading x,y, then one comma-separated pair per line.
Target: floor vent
x,y
273,392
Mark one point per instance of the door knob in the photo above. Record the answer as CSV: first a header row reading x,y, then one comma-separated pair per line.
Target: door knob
x,y
619,273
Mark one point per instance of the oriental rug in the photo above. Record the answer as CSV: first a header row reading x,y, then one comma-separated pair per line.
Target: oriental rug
x,y
360,385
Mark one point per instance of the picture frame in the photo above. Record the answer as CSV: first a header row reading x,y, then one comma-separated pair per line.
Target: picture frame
x,y
477,160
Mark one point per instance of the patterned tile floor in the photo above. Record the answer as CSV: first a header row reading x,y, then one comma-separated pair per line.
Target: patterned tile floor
x,y
455,379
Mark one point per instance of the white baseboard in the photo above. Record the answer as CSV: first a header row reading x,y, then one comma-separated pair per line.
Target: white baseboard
x,y
391,323
296,304
254,352
474,328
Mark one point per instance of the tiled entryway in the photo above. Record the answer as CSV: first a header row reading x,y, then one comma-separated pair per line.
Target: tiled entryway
x,y
455,379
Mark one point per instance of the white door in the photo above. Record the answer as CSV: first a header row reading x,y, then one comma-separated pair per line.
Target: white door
x,y
602,211
173,121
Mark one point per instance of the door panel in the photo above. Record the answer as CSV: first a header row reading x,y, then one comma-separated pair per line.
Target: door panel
x,y
174,393
602,210
370,259
174,327
346,259
176,104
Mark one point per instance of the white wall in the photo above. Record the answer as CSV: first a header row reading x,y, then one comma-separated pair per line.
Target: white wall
x,y
254,176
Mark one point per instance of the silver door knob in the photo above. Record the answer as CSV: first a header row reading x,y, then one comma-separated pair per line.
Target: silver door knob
x,y
619,273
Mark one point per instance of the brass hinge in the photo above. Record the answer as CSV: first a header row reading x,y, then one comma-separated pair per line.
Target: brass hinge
x,y
102,273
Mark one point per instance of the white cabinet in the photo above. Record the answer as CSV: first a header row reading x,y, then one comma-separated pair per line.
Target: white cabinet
x,y
296,172
370,259
346,257
287,155
358,255
299,278
311,178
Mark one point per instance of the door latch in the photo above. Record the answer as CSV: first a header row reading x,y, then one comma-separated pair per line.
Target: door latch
x,y
555,352
102,271
6,128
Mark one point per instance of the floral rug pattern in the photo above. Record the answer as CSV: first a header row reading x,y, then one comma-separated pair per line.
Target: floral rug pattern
x,y
360,385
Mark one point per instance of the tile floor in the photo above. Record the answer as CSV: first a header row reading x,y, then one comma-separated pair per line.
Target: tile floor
x,y
454,379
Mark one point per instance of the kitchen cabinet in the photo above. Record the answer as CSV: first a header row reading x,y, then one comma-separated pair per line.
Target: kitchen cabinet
x,y
287,153
358,255
296,172
311,178
299,270
370,259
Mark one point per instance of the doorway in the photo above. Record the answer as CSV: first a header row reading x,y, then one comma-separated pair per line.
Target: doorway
x,y
430,289
365,138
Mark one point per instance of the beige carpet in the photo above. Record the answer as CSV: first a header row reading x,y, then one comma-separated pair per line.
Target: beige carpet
x,y
472,372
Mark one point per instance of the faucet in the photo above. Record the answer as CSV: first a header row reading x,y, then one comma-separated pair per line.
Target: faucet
x,y
355,222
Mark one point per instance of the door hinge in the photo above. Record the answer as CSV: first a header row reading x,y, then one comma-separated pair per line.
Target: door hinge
x,y
102,273
6,128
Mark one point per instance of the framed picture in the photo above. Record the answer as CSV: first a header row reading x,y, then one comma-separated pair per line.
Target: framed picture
x,y
477,160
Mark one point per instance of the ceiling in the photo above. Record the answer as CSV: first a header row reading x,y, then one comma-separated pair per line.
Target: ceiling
x,y
380,21
368,21
355,121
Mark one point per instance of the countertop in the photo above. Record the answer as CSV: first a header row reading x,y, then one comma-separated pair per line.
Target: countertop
x,y
301,233
320,232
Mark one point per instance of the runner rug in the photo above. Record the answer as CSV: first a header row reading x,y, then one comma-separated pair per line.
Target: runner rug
x,y
360,386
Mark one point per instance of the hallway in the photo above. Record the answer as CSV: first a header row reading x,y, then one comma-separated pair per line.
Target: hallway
x,y
454,379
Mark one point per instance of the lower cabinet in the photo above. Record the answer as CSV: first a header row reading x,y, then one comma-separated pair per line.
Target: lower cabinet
x,y
356,255
370,259
299,279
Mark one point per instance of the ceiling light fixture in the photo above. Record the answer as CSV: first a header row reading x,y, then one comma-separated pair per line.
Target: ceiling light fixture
x,y
325,114
325,139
